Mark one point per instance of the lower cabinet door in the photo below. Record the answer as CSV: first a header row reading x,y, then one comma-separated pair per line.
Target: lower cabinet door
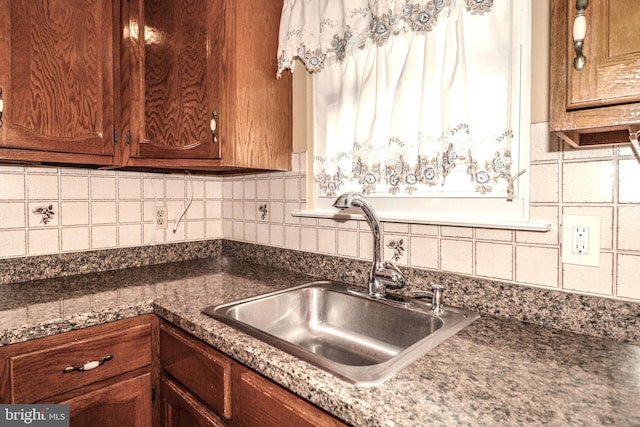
x,y
256,401
124,403
179,408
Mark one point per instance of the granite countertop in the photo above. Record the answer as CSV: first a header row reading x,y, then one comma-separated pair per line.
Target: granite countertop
x,y
495,372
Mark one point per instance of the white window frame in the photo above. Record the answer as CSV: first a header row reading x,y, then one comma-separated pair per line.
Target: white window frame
x,y
486,211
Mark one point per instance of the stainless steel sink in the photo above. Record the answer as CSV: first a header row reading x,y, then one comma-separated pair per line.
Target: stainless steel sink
x,y
361,339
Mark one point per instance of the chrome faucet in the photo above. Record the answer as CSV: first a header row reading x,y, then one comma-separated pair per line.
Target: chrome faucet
x,y
383,274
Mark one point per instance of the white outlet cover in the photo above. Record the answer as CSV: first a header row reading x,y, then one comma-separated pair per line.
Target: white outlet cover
x,y
592,258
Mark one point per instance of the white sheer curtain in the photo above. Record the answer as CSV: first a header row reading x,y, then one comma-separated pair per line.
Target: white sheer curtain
x,y
412,97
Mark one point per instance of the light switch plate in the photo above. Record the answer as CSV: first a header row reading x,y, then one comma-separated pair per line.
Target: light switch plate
x,y
590,255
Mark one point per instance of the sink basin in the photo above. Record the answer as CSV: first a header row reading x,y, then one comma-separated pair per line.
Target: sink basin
x,y
342,330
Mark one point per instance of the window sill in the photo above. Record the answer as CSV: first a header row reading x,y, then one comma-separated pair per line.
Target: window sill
x,y
497,223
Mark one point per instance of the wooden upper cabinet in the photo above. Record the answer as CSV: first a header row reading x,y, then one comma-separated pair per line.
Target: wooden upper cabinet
x,y
599,104
135,84
187,59
57,81
176,71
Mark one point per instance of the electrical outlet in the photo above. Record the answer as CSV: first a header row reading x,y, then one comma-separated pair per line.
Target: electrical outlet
x,y
161,217
581,240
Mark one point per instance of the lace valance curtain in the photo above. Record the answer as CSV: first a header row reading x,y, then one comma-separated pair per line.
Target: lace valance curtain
x,y
409,97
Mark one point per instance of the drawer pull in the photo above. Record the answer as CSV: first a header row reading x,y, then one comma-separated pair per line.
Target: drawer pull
x,y
89,365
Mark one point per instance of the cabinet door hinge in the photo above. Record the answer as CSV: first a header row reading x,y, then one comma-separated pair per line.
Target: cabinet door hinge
x,y
128,137
153,392
115,136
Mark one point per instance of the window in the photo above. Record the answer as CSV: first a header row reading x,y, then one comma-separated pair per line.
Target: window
x,y
423,106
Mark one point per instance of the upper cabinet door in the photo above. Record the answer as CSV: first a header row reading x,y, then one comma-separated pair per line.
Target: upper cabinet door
x,y
612,51
597,102
57,81
174,58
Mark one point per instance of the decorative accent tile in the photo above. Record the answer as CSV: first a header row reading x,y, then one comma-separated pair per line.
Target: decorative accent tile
x,y
395,249
44,214
262,208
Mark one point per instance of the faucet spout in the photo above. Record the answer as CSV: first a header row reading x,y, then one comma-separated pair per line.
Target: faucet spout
x,y
383,275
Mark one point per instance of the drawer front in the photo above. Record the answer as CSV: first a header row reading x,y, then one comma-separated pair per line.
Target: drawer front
x,y
39,374
201,369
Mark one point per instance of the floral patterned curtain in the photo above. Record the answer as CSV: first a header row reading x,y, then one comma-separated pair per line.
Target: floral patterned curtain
x,y
409,97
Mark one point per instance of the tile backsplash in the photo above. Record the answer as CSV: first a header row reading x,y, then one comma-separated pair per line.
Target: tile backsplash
x,y
58,210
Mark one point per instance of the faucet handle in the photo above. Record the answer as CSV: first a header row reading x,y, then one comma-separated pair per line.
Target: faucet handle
x,y
393,274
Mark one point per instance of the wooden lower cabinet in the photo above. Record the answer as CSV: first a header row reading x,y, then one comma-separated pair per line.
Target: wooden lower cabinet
x,y
125,403
243,398
256,401
116,392
181,408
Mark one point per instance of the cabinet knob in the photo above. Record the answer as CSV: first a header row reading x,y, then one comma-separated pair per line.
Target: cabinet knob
x,y
579,33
